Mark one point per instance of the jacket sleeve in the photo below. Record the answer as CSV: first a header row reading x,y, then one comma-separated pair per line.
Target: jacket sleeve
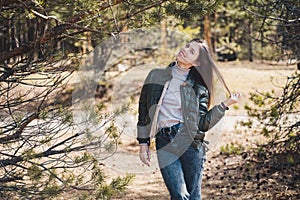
x,y
208,118
143,112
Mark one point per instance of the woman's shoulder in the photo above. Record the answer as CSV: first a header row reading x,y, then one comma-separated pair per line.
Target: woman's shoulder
x,y
158,73
162,70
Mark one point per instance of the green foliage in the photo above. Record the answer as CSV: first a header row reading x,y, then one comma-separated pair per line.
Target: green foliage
x,y
116,186
191,9
34,173
278,117
82,158
232,148
189,31
236,107
51,191
248,123
264,30
229,27
276,26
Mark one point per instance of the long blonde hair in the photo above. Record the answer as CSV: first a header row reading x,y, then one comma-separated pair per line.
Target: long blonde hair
x,y
206,66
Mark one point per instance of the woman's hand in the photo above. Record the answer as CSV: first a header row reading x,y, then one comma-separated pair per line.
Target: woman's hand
x,y
234,98
145,154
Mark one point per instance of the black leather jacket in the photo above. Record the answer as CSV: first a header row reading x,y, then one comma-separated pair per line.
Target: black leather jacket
x,y
194,103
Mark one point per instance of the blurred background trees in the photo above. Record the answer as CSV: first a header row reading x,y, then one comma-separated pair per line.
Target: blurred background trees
x,y
42,43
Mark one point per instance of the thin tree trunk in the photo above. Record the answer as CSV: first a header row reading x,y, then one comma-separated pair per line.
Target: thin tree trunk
x,y
164,34
207,32
250,49
214,43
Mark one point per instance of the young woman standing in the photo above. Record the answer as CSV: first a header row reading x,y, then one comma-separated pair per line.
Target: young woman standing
x,y
174,108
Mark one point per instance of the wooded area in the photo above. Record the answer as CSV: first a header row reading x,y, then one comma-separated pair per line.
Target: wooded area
x,y
43,43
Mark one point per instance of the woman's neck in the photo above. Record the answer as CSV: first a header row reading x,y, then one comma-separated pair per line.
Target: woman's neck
x,y
182,65
180,71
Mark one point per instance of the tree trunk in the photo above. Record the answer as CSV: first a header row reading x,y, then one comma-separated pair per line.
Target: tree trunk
x,y
214,42
207,33
250,48
164,34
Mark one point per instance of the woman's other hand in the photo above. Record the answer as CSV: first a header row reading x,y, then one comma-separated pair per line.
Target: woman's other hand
x,y
234,98
145,154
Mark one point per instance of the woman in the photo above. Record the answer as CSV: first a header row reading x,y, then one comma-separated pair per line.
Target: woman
x,y
174,108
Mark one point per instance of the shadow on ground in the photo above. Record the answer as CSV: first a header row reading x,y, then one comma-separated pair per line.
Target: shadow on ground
x,y
253,175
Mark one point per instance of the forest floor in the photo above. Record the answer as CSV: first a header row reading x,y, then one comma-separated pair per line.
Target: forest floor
x,y
236,175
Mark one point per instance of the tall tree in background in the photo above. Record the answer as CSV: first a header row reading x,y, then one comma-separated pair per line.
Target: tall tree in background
x,y
42,154
283,18
259,30
232,28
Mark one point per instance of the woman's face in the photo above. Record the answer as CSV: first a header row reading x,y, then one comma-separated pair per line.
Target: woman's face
x,y
189,54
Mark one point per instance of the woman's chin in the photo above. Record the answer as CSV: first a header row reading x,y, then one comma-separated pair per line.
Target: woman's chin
x,y
179,58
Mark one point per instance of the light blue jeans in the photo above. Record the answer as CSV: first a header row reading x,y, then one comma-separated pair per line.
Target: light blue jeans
x,y
181,165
